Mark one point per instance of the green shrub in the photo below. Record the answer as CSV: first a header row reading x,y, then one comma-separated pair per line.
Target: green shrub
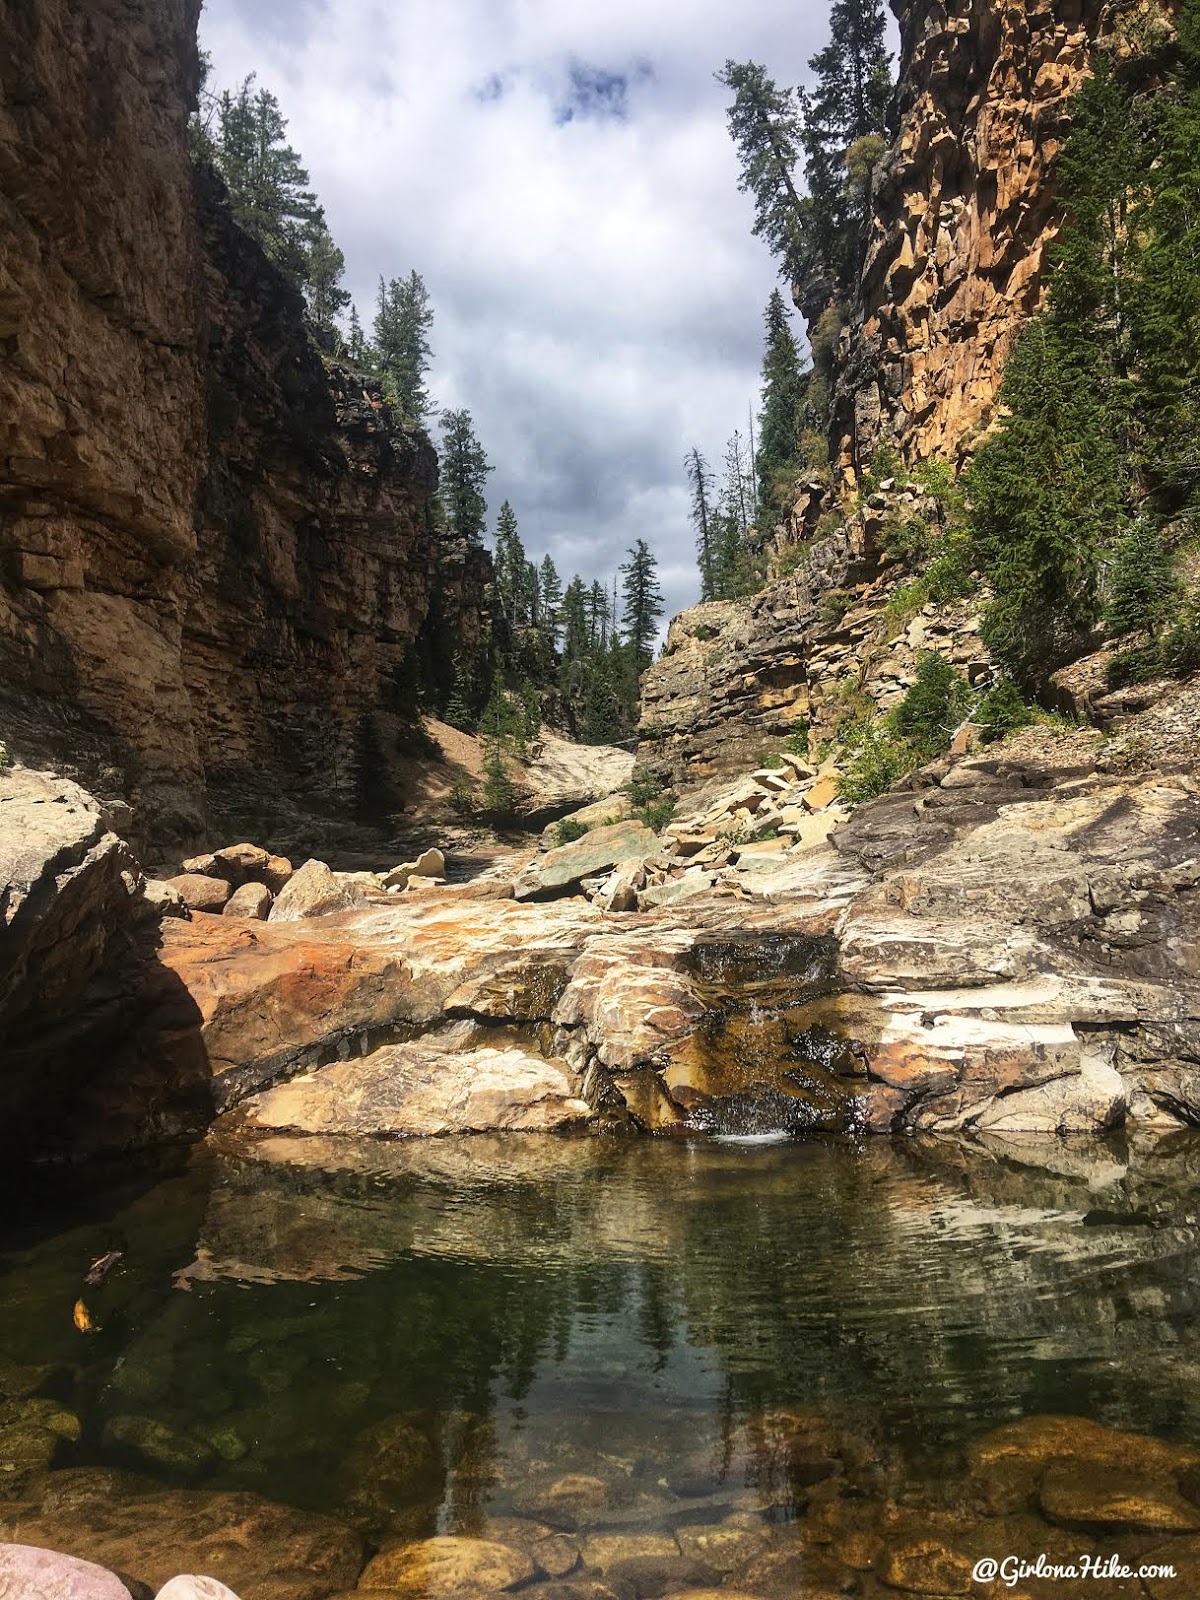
x,y
797,741
1181,647
791,560
657,815
950,575
903,605
834,607
934,706
906,539
1002,711
875,761
462,798
644,788
568,830
1128,667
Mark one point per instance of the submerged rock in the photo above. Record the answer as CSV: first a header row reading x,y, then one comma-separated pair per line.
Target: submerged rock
x,y
449,1568
256,1548
27,1573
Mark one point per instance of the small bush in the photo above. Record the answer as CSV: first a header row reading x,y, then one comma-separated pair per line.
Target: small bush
x,y
657,815
1002,712
462,798
834,607
797,741
644,788
906,539
950,575
1181,647
875,761
934,706
1134,666
569,830
903,605
791,560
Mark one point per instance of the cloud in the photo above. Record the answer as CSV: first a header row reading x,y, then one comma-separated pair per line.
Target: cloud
x,y
560,174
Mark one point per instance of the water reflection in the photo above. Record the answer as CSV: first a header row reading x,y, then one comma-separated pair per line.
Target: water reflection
x,y
431,1336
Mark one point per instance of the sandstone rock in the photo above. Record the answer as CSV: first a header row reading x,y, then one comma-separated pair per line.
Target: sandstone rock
x,y
32,1574
252,900
430,866
599,814
66,908
313,891
200,893
255,1548
619,891
564,777
163,899
202,866
277,873
823,793
242,863
391,1465
192,1588
1081,1494
425,1089
449,1569
561,870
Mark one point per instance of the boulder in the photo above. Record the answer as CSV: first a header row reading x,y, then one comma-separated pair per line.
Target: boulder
x,y
449,1569
277,873
190,1588
199,893
252,900
613,808
562,870
565,776
241,862
430,864
162,899
27,1573
68,900
314,891
257,1549
424,1088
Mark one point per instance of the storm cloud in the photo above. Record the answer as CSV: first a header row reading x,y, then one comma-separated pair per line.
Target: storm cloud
x,y
561,175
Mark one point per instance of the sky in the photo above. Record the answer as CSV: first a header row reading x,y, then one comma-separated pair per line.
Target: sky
x,y
560,173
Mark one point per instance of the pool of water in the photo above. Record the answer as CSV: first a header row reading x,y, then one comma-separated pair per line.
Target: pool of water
x,y
432,1337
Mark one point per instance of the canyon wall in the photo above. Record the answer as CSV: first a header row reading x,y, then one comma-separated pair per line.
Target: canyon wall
x,y
965,210
214,549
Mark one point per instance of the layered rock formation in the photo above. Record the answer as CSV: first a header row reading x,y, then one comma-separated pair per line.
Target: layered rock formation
x,y
740,676
964,211
214,545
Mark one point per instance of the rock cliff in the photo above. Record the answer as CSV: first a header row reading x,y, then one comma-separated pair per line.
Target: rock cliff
x,y
214,551
964,210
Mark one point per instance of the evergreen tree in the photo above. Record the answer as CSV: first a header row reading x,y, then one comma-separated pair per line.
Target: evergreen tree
x,y
785,385
598,615
643,597
703,518
767,131
459,712
511,575
268,185
576,633
1142,583
403,319
464,476
844,117
358,350
324,268
549,619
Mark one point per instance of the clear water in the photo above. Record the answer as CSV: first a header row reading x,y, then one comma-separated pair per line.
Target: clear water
x,y
517,1309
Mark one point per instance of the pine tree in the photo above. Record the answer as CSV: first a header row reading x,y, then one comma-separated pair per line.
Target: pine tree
x,y
403,319
844,118
643,597
576,633
785,385
511,580
358,350
598,615
550,616
699,476
325,266
1142,584
268,185
459,712
464,476
766,128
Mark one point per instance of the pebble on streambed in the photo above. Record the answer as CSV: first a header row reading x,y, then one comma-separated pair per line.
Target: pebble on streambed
x,y
29,1573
